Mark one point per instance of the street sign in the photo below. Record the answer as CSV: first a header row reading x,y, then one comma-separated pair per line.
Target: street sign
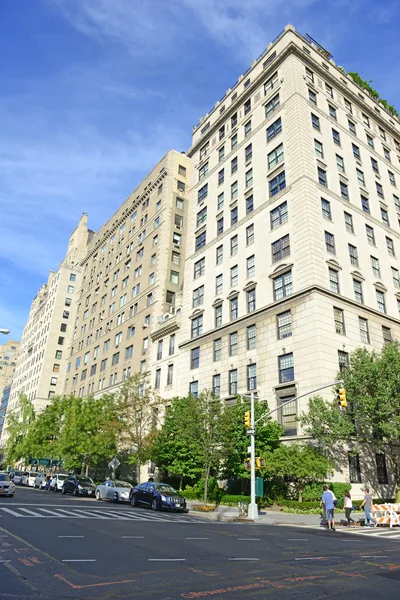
x,y
114,463
250,431
259,487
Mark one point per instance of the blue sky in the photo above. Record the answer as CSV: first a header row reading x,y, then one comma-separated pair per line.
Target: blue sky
x,y
94,92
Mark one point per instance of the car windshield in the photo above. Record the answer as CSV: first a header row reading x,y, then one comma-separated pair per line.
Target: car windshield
x,y
62,477
164,488
84,480
123,484
4,477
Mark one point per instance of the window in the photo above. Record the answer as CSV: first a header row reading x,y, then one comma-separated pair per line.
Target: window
x,y
60,341
390,246
179,203
288,417
396,277
247,128
63,327
284,324
170,374
202,193
354,468
217,349
319,149
171,349
203,171
376,271
396,201
386,154
339,321
58,354
216,385
358,293
176,239
387,334
334,281
353,254
70,289
282,285
234,165
251,337
279,215
365,204
344,190
53,381
234,121
315,122
198,296
251,266
219,284
370,234
360,177
182,170
251,377
286,368
336,136
234,245
380,299
277,184
356,152
365,119
272,105
234,275
250,235
248,153
219,255
251,300
364,330
233,382
197,326
249,204
275,157
330,242
344,361
348,220
199,268
128,352
234,190
352,127
181,186
201,217
329,90
220,201
332,112
218,315
381,469
234,140
174,277
221,177
249,178
322,179
370,141
385,216
374,164
274,129
200,240
234,308
233,344
194,388
195,358
234,215
382,133
280,249
175,258
221,153
379,190
115,359
340,163
348,106
312,96
247,106
157,379
326,209
309,75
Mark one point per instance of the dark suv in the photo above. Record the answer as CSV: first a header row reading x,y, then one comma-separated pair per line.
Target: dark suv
x,y
79,486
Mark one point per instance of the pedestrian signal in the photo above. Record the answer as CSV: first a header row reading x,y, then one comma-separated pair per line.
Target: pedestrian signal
x,y
247,464
260,463
341,397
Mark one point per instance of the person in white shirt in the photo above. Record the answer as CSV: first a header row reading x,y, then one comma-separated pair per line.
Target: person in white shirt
x,y
348,507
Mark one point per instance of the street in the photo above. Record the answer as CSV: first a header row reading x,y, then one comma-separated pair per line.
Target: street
x,y
55,546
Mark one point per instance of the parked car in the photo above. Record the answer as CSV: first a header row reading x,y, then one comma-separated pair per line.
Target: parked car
x,y
16,477
40,481
158,496
118,491
7,487
78,485
57,482
28,478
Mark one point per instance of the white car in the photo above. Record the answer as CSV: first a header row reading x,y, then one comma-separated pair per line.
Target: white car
x,y
117,491
7,487
16,477
40,481
57,482
28,478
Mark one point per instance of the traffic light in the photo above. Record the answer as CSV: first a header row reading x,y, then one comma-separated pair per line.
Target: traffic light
x,y
247,464
247,419
341,397
260,463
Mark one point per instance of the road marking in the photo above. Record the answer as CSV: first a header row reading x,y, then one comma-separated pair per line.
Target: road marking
x,y
11,512
244,559
30,512
383,556
70,536
165,559
132,537
249,539
78,560
313,558
195,538
298,540
4,561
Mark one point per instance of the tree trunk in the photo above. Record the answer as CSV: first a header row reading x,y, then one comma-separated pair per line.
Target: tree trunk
x,y
138,467
180,483
206,476
397,494
87,469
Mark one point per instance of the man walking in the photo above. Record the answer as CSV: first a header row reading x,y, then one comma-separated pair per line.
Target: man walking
x,y
367,504
328,501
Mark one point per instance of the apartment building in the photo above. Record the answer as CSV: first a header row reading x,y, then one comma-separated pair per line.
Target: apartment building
x,y
131,285
293,234
8,357
42,357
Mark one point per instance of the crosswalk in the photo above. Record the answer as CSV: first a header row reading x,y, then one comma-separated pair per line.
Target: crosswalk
x,y
41,512
383,533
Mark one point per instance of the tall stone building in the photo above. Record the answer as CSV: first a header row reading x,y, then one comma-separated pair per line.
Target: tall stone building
x,y
132,282
293,234
42,356
8,357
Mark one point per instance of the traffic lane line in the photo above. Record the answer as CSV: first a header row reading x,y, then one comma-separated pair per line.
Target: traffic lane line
x,y
166,559
70,536
249,559
78,560
132,537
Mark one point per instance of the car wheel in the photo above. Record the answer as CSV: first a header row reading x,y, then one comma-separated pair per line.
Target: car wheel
x,y
63,490
134,501
98,496
116,497
155,505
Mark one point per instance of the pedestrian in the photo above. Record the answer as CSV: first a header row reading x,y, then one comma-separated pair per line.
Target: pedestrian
x,y
367,504
348,507
328,500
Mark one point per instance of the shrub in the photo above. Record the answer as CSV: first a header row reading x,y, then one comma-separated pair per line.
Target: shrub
x,y
233,499
295,504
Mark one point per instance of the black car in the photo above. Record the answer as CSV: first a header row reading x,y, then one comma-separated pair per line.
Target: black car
x,y
79,486
158,496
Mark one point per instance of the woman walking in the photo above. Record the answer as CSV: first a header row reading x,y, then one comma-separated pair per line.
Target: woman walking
x,y
348,507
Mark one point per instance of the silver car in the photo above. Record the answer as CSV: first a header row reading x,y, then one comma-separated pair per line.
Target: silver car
x,y
117,491
7,487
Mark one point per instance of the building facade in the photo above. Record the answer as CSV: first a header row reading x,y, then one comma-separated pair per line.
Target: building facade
x,y
42,357
8,358
293,234
131,284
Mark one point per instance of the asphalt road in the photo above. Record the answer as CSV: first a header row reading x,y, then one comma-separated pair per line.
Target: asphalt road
x,y
60,547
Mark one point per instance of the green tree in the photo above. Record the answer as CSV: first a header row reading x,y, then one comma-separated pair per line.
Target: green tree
x,y
19,423
371,422
235,441
138,409
298,465
43,437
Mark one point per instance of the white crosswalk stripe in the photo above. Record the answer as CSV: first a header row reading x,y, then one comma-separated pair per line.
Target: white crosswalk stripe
x,y
384,533
89,513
